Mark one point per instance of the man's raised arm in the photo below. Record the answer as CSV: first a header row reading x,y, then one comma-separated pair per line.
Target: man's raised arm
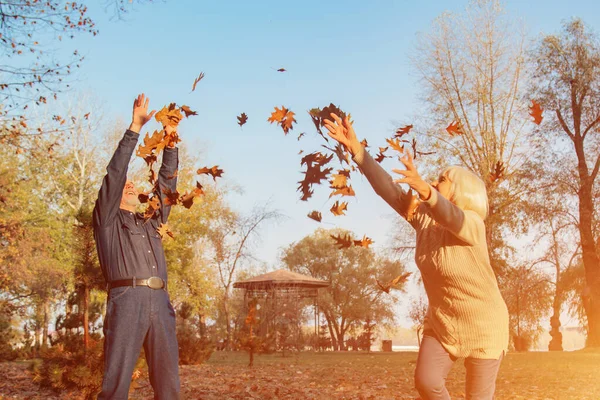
x,y
111,191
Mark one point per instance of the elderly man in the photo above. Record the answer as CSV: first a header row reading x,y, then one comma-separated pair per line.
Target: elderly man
x,y
138,310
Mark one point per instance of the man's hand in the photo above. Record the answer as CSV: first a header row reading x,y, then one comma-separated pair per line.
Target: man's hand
x,y
140,113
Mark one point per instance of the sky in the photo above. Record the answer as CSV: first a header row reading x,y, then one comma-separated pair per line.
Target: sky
x,y
352,53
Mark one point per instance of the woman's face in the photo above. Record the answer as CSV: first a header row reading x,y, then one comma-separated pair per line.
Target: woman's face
x,y
442,185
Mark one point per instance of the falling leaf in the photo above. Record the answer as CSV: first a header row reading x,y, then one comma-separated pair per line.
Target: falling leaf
x,y
345,191
169,115
383,149
164,231
340,151
152,146
403,131
300,152
215,172
143,197
535,110
454,128
380,157
364,242
172,198
340,179
151,176
153,205
198,79
342,241
187,200
281,70
284,118
395,145
498,172
338,208
301,134
86,116
365,143
316,215
394,282
187,111
242,119
319,116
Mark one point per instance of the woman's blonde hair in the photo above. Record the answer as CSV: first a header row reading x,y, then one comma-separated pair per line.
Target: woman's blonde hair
x,y
467,190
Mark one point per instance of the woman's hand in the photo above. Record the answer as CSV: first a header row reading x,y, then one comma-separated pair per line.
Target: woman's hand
x,y
412,177
140,113
343,132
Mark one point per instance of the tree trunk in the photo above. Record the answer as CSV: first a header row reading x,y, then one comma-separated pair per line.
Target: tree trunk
x,y
590,257
86,317
45,326
229,346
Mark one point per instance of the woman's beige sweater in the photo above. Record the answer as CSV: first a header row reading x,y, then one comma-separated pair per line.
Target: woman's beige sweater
x,y
466,310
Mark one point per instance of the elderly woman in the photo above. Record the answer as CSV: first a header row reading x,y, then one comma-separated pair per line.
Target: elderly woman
x,y
467,317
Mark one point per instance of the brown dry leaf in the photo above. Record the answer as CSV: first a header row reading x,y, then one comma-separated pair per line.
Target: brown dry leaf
x,y
153,205
214,171
284,118
164,231
198,79
342,241
498,172
301,134
394,282
242,119
169,115
316,215
187,200
171,198
187,111
535,110
380,157
339,208
403,131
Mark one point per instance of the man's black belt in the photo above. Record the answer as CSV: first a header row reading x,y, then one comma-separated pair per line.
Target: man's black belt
x,y
154,283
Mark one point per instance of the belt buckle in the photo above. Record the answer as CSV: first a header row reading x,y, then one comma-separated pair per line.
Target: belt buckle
x,y
155,282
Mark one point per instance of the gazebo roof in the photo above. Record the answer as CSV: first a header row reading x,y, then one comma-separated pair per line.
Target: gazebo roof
x,y
281,278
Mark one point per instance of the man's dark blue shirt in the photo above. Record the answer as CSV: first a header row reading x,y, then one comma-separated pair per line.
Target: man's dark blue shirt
x,y
127,246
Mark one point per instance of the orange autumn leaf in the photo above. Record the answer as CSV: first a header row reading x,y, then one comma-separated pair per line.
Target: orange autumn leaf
x,y
344,191
454,128
535,110
339,208
395,145
383,149
340,179
284,118
198,79
365,143
380,157
364,242
394,282
215,172
151,143
342,241
316,215
164,231
169,115
242,119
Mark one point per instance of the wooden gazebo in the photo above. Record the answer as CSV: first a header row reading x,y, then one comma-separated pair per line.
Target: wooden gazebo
x,y
278,289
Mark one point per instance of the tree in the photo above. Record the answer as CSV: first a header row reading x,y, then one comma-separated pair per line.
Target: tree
x,y
472,71
228,241
527,293
566,83
417,314
353,294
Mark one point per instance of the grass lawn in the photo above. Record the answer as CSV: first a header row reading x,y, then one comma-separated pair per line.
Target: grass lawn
x,y
351,375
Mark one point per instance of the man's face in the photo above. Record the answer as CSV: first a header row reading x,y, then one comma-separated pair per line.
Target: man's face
x,y
130,195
